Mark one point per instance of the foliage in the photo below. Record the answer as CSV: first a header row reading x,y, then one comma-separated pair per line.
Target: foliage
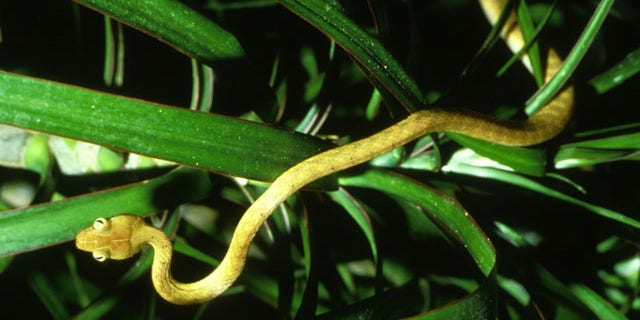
x,y
185,111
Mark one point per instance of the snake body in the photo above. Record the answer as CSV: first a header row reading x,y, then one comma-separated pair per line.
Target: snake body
x,y
122,236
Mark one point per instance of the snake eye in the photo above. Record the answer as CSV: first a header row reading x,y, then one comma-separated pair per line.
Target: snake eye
x,y
101,224
101,256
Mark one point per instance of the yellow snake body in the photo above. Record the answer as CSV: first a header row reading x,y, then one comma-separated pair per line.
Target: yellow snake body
x,y
122,236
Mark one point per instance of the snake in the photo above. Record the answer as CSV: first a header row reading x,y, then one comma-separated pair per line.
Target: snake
x,y
122,236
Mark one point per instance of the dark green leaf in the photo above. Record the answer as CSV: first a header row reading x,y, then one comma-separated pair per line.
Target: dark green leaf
x,y
548,91
217,143
445,210
618,74
359,215
525,160
165,19
512,178
60,221
366,49
599,306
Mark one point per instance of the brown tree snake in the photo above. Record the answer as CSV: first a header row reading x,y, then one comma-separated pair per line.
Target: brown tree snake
x,y
122,236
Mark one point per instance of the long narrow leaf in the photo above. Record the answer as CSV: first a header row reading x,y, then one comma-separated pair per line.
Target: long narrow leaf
x,y
165,20
515,179
601,307
366,49
446,211
212,142
60,221
581,47
449,214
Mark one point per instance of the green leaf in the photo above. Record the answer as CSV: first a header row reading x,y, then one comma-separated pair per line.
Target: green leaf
x,y
618,74
363,47
200,38
515,289
445,210
47,294
36,155
55,222
600,307
623,141
179,245
5,262
212,142
596,151
525,160
582,157
359,215
480,304
548,91
395,303
515,179
531,45
240,4
388,159
263,287
524,18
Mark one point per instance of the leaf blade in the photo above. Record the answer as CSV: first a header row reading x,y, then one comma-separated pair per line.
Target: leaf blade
x,y
60,221
201,38
208,141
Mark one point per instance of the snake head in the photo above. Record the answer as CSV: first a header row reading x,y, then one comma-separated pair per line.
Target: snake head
x,y
112,238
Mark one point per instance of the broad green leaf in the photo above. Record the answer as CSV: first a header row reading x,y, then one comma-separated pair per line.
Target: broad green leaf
x,y
166,20
60,221
212,142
